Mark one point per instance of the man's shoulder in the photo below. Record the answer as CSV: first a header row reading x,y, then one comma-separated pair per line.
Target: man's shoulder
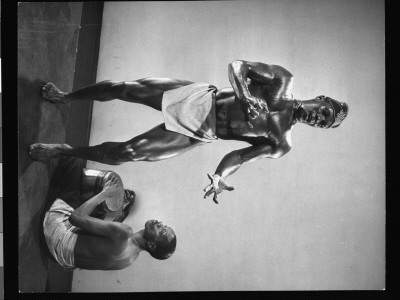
x,y
281,71
123,241
125,231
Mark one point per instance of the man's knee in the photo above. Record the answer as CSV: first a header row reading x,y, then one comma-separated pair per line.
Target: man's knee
x,y
107,152
129,152
118,89
137,91
147,81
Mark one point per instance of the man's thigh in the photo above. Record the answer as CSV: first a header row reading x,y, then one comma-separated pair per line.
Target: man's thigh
x,y
162,83
160,143
149,91
66,181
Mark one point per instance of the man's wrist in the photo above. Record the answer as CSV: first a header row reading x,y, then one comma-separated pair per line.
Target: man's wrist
x,y
102,196
217,177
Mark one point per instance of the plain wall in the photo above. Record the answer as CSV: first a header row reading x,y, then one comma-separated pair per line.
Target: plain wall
x,y
313,219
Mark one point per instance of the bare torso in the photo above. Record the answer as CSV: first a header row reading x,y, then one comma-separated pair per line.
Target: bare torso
x,y
102,253
271,128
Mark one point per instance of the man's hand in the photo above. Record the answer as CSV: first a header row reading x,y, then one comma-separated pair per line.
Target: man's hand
x,y
217,186
251,107
113,188
117,179
129,200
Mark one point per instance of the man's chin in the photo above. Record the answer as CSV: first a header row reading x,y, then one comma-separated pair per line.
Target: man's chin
x,y
147,224
301,115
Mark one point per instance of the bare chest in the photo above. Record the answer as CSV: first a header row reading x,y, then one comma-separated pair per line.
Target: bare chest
x,y
275,125
270,92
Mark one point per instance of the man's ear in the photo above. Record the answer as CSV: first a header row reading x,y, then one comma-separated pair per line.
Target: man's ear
x,y
151,246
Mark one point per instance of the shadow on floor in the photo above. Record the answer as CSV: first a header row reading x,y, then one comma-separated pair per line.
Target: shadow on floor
x,y
29,114
47,48
57,42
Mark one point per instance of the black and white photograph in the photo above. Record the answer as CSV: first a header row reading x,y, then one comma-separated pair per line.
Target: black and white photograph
x,y
182,146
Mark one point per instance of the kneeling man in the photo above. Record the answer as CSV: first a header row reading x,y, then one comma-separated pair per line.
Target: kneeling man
x,y
77,238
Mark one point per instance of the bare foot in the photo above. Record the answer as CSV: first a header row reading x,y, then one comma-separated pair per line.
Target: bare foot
x,y
53,94
41,151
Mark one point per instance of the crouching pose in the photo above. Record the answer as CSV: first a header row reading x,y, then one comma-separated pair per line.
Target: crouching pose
x,y
258,109
78,236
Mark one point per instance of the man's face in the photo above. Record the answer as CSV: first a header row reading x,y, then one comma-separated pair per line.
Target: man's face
x,y
318,113
156,231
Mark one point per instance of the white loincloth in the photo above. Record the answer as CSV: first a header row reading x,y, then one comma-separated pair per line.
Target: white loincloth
x,y
60,234
190,110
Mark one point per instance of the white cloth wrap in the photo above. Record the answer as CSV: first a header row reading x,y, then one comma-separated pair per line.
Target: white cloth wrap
x,y
190,110
60,234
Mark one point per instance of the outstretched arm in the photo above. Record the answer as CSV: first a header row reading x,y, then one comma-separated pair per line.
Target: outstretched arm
x,y
240,71
234,160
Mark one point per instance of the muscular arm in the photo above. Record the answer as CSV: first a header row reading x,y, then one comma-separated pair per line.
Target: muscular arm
x,y
82,219
240,71
233,161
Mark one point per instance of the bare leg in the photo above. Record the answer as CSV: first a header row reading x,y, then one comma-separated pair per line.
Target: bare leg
x,y
147,91
153,145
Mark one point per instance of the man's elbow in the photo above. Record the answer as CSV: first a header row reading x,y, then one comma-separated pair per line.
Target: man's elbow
x,y
236,64
123,231
73,219
280,151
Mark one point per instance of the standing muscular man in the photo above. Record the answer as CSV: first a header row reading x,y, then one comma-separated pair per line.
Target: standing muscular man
x,y
259,109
